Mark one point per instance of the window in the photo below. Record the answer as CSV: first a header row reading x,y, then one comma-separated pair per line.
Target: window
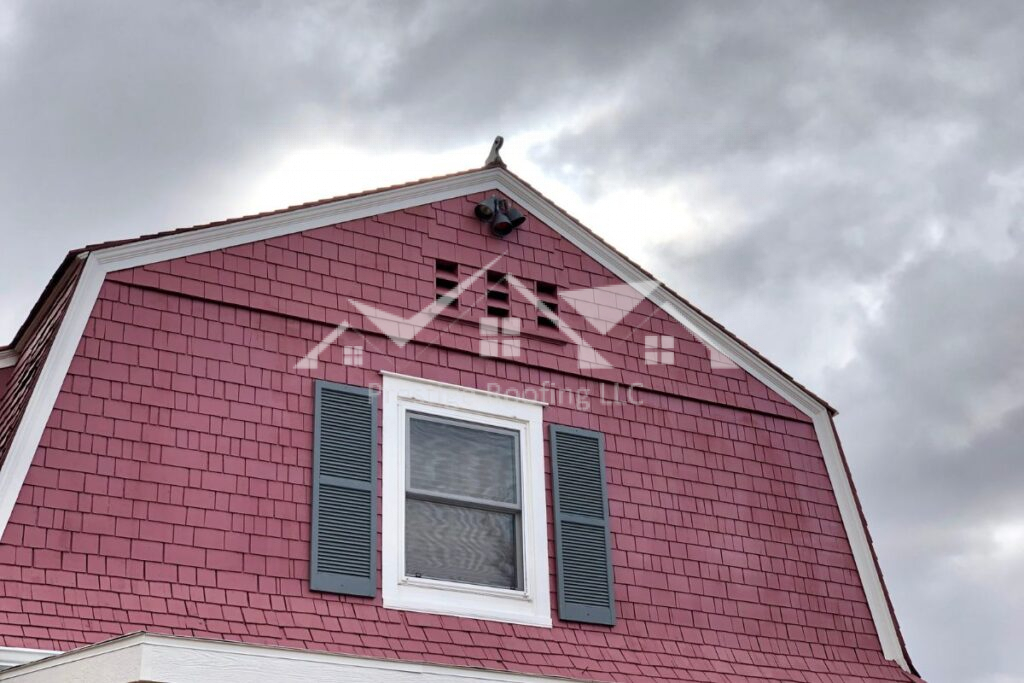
x,y
464,519
462,503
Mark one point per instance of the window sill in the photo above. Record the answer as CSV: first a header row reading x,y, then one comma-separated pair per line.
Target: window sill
x,y
464,600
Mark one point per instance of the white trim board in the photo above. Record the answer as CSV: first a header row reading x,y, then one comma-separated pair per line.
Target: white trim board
x,y
16,656
149,657
531,605
103,261
8,357
468,392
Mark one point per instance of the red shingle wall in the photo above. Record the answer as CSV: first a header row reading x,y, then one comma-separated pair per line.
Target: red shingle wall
x,y
5,378
171,489
21,377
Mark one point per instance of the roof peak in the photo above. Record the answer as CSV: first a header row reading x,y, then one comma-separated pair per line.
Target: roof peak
x,y
494,158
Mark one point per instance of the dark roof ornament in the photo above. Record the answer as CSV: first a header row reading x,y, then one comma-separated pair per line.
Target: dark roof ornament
x,y
494,158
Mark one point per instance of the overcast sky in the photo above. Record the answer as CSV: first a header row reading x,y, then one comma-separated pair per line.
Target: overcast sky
x,y
841,184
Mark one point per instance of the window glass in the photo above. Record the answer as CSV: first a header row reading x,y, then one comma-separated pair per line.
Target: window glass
x,y
462,544
457,458
462,507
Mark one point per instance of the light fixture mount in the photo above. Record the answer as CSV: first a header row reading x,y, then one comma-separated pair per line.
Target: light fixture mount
x,y
500,214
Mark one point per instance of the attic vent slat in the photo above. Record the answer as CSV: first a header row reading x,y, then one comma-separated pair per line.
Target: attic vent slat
x,y
498,295
497,312
446,280
449,267
547,312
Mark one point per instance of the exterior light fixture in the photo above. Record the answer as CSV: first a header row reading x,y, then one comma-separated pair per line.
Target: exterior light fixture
x,y
502,216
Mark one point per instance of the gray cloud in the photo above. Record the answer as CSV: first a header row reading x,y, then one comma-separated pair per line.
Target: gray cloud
x,y
936,420
868,155
123,118
879,182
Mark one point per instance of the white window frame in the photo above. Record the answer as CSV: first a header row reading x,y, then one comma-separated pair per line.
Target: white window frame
x,y
531,605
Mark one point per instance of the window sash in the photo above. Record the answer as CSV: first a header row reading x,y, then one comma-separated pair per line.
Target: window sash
x,y
465,424
470,501
462,501
457,573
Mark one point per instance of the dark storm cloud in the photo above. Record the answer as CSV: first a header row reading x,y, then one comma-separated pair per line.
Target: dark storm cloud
x,y
869,156
936,410
508,64
120,118
936,423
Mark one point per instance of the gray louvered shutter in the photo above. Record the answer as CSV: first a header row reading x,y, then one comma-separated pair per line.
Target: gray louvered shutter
x,y
586,588
344,536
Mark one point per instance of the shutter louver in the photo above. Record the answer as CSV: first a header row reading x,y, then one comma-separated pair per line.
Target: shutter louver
x,y
586,589
344,534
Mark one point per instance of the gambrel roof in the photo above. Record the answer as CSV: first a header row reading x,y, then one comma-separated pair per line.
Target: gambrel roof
x,y
45,345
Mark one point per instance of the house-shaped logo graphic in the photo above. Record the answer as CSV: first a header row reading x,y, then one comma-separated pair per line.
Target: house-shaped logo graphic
x,y
602,307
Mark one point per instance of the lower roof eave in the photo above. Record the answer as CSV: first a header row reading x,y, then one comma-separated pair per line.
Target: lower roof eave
x,y
148,657
145,656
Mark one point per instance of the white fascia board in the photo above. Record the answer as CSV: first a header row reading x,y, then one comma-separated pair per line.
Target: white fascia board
x,y
136,254
468,391
40,403
199,241
16,656
8,357
148,657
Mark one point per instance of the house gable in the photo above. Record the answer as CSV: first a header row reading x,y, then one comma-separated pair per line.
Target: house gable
x,y
108,274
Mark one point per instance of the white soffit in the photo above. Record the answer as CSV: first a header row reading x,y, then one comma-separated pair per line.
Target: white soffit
x,y
103,261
